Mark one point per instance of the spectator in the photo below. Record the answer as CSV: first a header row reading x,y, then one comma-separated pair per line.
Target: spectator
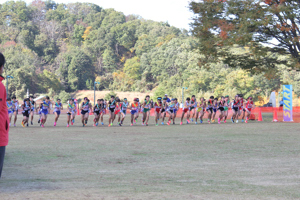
x,y
281,103
4,127
168,99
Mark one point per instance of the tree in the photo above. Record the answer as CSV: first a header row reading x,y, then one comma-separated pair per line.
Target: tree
x,y
221,24
80,69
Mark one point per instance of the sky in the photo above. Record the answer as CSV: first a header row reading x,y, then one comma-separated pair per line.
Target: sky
x,y
175,12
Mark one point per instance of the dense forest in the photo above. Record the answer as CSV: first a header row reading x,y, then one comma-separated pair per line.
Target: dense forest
x,y
62,48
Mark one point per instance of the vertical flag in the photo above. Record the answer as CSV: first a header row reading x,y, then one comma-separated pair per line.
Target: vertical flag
x,y
287,103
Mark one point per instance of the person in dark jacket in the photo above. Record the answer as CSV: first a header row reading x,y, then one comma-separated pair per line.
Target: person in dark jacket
x,y
4,121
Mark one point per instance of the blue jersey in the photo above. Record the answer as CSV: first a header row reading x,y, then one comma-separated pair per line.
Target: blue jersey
x,y
9,107
26,106
32,104
45,106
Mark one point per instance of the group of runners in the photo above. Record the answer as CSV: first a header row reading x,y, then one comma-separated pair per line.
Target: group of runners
x,y
164,108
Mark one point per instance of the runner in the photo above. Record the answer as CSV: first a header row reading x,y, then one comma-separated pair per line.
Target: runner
x,y
32,103
124,107
10,108
118,110
164,110
201,110
158,108
226,106
45,106
186,109
221,108
97,110
85,108
16,107
215,109
241,107
103,111
75,105
134,110
146,110
235,109
138,111
57,108
175,109
249,105
209,109
71,112
26,111
171,108
193,108
111,108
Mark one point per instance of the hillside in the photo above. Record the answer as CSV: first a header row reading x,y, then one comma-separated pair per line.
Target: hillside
x,y
63,48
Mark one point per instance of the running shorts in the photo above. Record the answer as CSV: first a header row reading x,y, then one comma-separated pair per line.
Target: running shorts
x,y
83,112
133,112
26,113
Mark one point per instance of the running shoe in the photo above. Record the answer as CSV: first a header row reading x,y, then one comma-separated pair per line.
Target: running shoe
x,y
131,124
192,120
195,122
156,125
39,121
173,122
83,125
168,124
86,122
134,121
242,120
27,124
188,121
213,121
94,125
31,123
232,120
68,125
102,123
146,124
180,123
219,120
162,123
111,124
237,121
43,126
54,123
208,121
72,122
201,121
9,124
14,125
97,124
246,121
225,121
120,124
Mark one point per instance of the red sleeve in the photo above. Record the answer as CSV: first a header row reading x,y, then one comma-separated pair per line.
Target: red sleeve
x,y
4,123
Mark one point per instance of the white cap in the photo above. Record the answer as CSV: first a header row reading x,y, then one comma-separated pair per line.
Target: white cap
x,y
166,95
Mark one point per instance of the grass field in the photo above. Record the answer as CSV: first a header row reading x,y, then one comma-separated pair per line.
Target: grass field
x,y
207,161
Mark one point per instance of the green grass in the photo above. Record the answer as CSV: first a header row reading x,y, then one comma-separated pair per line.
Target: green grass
x,y
207,161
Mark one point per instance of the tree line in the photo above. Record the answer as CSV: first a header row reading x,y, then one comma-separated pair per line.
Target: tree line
x,y
62,48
